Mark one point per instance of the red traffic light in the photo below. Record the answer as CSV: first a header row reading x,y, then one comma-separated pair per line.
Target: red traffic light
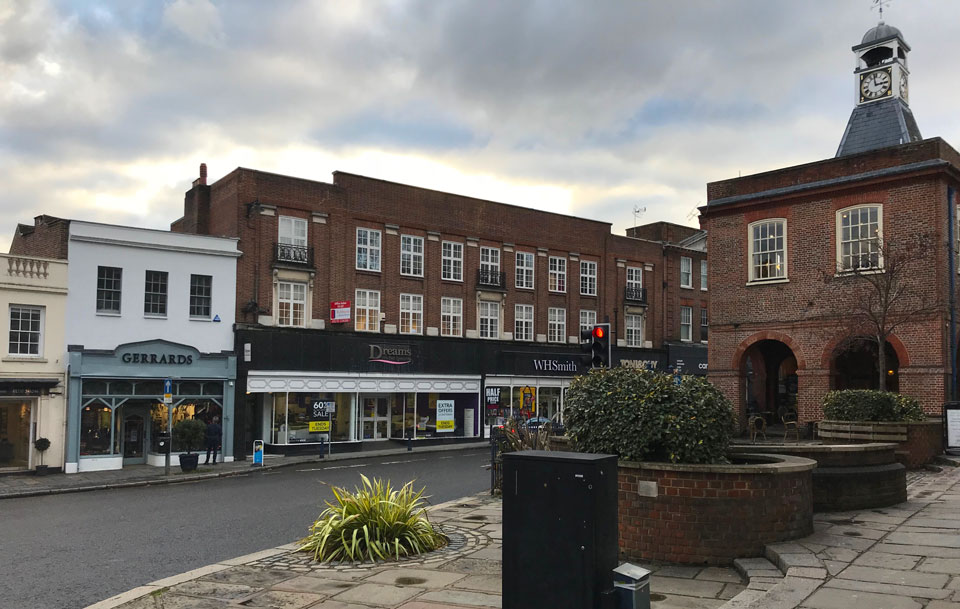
x,y
598,332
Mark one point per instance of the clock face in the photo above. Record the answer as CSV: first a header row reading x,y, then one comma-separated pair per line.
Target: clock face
x,y
875,84
903,86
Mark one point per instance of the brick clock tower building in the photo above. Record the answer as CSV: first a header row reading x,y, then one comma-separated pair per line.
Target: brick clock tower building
x,y
788,246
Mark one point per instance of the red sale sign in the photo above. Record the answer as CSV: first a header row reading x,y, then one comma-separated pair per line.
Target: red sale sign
x,y
339,311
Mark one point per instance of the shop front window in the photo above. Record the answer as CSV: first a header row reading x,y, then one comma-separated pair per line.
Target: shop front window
x,y
296,419
95,427
14,434
203,410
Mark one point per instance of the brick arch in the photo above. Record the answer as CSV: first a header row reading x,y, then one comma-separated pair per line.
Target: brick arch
x,y
826,358
769,335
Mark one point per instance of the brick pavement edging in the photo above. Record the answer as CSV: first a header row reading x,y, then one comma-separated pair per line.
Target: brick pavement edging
x,y
464,540
236,468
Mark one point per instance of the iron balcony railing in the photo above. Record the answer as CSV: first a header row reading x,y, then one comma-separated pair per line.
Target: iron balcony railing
x,y
293,254
638,295
491,279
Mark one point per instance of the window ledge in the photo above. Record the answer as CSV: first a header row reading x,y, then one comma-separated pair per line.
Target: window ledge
x,y
34,359
855,273
201,319
686,287
589,295
108,314
406,276
451,280
767,281
147,316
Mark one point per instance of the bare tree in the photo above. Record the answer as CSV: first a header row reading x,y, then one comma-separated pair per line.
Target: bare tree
x,y
877,289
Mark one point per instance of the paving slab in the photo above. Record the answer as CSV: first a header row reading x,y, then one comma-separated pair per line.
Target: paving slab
x,y
885,560
894,589
277,599
895,576
481,583
215,590
685,587
831,598
464,598
420,578
716,574
316,585
379,595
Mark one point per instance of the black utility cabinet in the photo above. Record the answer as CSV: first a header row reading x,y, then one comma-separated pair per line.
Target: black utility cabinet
x,y
559,529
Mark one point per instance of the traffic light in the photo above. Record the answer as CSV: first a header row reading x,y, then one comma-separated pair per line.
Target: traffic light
x,y
600,346
586,347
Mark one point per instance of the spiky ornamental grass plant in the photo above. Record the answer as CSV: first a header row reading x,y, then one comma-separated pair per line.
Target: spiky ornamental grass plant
x,y
375,522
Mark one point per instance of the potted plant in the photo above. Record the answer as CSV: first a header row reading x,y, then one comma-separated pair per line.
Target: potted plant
x,y
41,444
188,435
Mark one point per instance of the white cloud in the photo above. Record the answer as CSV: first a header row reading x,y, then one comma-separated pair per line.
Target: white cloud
x,y
199,20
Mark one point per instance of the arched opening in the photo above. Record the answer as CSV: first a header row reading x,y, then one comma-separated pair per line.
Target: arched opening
x,y
855,366
769,373
875,57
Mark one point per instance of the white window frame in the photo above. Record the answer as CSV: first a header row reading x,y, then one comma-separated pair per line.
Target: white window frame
x,y
451,261
557,270
704,323
634,329
703,275
296,297
371,313
18,353
588,319
118,279
199,298
523,322
841,267
752,252
411,255
451,316
489,259
635,282
292,231
163,293
686,324
371,251
485,327
686,272
525,271
556,325
411,314
588,278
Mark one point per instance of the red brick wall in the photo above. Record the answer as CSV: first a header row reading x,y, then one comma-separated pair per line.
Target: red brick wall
x,y
806,312
709,517
356,201
47,238
924,443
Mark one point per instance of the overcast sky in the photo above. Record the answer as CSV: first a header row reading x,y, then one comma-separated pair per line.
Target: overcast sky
x,y
583,107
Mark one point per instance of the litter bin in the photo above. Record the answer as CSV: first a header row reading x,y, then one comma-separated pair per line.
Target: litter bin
x,y
632,584
163,443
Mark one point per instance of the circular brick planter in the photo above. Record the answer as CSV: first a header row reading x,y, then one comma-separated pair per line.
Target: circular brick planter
x,y
918,443
848,476
712,514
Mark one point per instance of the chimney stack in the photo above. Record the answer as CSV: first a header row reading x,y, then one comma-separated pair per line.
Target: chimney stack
x,y
202,180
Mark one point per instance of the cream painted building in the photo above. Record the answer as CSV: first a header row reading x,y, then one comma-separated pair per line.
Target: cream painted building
x,y
33,300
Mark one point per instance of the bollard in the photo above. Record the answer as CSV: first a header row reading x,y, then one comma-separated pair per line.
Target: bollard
x,y
409,443
632,584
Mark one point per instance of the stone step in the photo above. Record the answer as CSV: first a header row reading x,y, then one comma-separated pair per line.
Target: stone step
x,y
756,567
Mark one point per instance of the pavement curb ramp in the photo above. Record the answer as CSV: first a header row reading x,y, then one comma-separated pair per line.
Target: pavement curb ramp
x,y
166,582
236,472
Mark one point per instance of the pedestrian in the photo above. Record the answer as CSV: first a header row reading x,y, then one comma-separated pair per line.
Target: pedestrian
x,y
213,439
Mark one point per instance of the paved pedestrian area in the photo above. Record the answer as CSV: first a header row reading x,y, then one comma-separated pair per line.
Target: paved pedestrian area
x,y
29,485
906,556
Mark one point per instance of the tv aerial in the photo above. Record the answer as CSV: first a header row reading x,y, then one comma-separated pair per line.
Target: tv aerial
x,y
637,212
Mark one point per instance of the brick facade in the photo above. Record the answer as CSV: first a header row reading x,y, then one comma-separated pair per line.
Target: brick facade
x,y
912,184
704,515
248,204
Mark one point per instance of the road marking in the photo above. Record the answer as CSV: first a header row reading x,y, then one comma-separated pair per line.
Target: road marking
x,y
320,469
395,462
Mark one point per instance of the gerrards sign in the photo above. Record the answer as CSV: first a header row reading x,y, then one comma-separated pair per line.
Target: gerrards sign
x,y
396,355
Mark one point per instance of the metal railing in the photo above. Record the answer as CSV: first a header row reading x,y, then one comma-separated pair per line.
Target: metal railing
x,y
293,254
635,295
491,279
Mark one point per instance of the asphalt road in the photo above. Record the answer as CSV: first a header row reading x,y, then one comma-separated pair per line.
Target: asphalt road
x,y
68,551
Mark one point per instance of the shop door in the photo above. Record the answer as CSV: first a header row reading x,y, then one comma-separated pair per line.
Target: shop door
x,y
15,434
376,417
133,438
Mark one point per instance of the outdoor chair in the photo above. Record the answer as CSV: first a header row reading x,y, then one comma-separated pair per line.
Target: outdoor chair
x,y
757,426
789,419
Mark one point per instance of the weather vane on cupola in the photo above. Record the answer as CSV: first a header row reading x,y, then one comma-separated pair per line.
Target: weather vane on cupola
x,y
879,5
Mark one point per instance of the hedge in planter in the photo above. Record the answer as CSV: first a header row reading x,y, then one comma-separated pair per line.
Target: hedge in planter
x,y
646,416
871,405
